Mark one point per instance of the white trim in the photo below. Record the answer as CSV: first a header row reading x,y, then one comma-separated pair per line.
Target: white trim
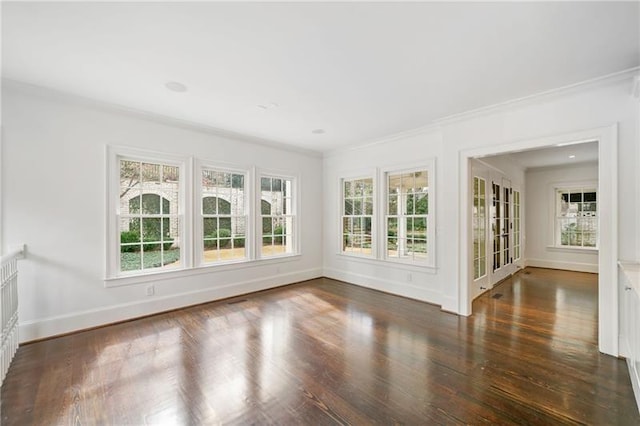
x,y
552,235
438,123
428,164
75,321
608,249
248,203
259,173
574,249
406,266
113,155
351,176
567,266
197,270
99,105
385,285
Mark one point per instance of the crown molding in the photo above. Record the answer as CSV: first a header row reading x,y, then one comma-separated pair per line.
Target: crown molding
x,y
50,93
439,123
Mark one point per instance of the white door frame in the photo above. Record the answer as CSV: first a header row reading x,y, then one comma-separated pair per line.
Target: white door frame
x,y
607,137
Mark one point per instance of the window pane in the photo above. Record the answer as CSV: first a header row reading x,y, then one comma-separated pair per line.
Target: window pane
x,y
420,247
348,207
589,197
393,205
150,173
209,205
410,206
265,184
394,184
210,227
392,247
392,227
151,203
224,223
421,181
151,229
348,188
407,182
368,206
422,203
130,260
575,197
347,225
170,174
357,206
589,239
133,204
358,188
368,187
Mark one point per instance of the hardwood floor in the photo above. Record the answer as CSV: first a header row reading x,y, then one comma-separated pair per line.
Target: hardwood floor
x,y
324,352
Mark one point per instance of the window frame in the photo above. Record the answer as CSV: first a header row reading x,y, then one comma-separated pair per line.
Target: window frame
x,y
198,216
374,199
429,166
477,218
114,155
295,207
517,225
554,230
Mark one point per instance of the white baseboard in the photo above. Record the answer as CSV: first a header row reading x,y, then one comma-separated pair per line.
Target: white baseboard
x,y
568,266
635,381
52,326
385,285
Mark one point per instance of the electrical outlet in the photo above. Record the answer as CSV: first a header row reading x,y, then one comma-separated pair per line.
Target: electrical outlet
x,y
409,277
150,290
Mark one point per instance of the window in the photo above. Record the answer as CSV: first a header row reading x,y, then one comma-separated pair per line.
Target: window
x,y
357,216
277,216
479,228
224,215
148,218
407,216
576,221
170,213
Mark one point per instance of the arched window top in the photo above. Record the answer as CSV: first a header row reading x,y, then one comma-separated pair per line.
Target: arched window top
x,y
215,205
151,204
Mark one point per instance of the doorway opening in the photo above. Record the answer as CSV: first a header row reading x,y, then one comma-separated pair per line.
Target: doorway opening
x,y
502,219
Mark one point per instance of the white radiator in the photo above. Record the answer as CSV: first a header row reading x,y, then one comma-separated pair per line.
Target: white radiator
x,y
9,309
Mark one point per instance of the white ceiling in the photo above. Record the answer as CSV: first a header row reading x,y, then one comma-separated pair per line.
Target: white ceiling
x,y
556,156
359,71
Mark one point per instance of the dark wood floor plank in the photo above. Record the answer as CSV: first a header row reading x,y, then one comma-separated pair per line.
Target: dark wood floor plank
x,y
326,352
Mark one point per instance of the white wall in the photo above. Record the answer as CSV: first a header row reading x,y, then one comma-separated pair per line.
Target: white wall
x,y
540,206
410,281
55,142
54,176
569,111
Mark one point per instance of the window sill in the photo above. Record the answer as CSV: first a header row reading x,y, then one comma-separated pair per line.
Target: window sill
x,y
582,250
385,262
197,270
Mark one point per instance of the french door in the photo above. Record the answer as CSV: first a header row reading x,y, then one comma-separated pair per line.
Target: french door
x,y
495,228
501,228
